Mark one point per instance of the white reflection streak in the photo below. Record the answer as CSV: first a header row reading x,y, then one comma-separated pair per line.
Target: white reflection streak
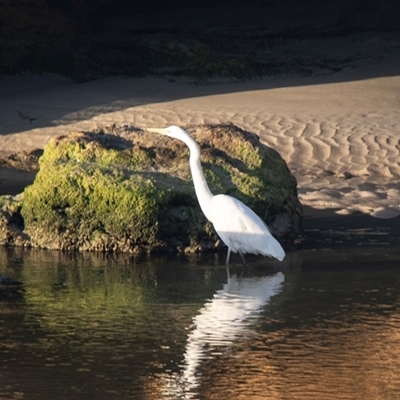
x,y
224,319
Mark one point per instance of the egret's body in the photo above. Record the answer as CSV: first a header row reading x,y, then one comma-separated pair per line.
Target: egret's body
x,y
239,227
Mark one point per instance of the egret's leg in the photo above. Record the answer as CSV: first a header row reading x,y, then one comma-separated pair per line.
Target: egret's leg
x,y
228,273
244,269
243,261
228,255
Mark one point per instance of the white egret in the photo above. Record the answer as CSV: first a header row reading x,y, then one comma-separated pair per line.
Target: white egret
x,y
239,227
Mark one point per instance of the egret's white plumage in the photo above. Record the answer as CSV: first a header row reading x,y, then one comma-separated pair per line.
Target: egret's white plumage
x,y
239,227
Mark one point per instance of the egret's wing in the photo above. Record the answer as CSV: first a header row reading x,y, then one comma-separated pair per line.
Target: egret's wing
x,y
242,229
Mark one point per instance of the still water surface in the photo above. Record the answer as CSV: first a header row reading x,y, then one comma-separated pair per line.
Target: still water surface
x,y
321,325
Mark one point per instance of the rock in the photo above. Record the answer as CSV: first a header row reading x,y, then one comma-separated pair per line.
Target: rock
x,y
24,160
131,191
11,222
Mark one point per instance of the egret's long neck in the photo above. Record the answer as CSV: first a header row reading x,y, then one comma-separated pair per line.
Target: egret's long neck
x,y
203,192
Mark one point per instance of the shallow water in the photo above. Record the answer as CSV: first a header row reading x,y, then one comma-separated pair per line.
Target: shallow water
x,y
321,325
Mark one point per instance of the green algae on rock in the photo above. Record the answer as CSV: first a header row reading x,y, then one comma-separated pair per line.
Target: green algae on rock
x,y
131,191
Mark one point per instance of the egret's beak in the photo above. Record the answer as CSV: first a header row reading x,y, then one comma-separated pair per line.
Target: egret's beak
x,y
156,130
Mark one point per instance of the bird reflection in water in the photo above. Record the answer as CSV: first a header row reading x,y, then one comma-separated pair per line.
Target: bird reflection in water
x,y
225,319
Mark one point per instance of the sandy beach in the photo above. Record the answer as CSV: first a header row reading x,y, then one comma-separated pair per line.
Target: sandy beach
x,y
339,133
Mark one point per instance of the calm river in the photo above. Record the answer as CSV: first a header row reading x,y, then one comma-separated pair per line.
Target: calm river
x,y
321,325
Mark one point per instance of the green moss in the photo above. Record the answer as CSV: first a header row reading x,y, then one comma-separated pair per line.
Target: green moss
x,y
86,152
249,155
63,197
81,187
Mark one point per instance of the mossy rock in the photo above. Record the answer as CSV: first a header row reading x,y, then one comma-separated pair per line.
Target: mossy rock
x,y
131,191
11,222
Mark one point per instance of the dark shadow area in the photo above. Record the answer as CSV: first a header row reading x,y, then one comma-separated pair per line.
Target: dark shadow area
x,y
326,229
91,39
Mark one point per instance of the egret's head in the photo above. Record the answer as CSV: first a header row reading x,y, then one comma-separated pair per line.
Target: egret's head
x,y
171,131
